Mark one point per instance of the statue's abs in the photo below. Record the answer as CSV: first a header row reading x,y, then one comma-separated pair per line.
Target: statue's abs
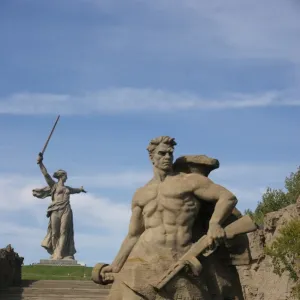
x,y
169,217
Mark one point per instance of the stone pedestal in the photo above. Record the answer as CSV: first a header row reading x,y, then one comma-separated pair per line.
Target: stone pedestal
x,y
58,262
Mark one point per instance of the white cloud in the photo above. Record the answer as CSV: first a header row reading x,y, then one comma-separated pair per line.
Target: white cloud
x,y
124,100
94,210
15,193
26,240
233,29
266,29
101,212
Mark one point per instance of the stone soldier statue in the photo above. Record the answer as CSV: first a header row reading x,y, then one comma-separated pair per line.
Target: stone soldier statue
x,y
162,230
59,241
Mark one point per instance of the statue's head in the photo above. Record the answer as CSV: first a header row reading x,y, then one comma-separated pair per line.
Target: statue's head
x,y
61,174
161,152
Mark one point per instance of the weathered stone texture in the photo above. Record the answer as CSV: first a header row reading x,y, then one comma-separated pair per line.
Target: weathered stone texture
x,y
258,280
170,214
10,267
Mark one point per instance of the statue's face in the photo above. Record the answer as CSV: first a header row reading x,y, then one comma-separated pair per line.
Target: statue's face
x,y
163,157
64,178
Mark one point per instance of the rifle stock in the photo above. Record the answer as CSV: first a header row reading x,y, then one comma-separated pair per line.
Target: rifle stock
x,y
242,225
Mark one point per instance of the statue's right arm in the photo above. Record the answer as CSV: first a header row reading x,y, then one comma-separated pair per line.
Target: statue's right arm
x,y
48,178
136,228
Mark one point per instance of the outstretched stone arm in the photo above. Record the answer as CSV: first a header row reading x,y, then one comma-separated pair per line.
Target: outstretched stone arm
x,y
48,178
136,228
76,190
225,201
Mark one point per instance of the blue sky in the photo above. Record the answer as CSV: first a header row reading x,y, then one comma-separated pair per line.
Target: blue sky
x,y
222,78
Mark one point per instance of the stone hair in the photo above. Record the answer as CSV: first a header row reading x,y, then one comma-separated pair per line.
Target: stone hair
x,y
156,141
59,173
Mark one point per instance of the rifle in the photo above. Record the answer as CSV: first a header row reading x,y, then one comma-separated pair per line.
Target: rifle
x,y
202,246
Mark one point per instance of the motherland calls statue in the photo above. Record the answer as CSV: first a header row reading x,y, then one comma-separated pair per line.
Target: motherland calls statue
x,y
59,241
173,246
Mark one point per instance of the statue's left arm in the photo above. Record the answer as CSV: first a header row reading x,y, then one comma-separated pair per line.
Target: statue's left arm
x,y
76,190
225,201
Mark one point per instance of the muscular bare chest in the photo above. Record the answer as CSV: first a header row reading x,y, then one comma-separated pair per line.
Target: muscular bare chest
x,y
172,196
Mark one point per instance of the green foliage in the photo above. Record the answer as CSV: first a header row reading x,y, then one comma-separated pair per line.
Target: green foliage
x,y
285,250
249,212
39,272
275,199
292,184
285,253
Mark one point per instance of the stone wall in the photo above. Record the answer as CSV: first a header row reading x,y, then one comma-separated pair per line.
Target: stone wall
x,y
10,267
258,280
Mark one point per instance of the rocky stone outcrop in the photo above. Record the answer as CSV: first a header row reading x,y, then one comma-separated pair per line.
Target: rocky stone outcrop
x,y
10,267
258,280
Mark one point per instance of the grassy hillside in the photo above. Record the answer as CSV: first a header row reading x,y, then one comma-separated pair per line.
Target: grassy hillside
x,y
37,272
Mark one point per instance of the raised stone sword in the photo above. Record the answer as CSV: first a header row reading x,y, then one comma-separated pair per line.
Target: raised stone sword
x,y
49,137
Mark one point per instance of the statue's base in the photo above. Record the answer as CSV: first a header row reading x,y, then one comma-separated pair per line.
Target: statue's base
x,y
59,262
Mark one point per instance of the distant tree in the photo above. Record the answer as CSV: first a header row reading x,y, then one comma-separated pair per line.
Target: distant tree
x,y
275,199
249,212
292,184
285,253
285,250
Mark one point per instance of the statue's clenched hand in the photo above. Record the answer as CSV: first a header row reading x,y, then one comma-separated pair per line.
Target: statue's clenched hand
x,y
216,233
40,158
107,273
82,189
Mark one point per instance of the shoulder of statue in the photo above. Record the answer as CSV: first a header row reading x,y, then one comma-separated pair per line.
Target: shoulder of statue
x,y
137,194
140,190
140,194
198,180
